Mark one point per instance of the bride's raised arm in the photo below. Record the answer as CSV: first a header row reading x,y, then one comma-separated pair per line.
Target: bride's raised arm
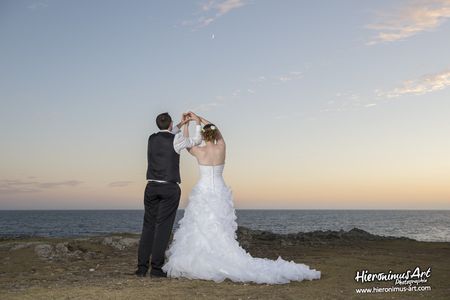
x,y
204,121
192,150
186,129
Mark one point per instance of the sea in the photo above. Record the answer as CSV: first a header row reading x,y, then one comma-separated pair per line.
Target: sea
x,y
422,225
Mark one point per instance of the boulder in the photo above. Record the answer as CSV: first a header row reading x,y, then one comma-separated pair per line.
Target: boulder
x,y
61,249
44,251
120,243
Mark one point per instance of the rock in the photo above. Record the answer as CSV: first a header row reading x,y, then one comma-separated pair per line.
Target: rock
x,y
44,251
120,243
61,249
74,246
356,233
22,246
248,236
76,253
129,242
89,255
107,241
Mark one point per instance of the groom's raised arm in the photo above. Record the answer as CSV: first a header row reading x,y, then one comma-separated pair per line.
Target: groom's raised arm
x,y
181,142
184,120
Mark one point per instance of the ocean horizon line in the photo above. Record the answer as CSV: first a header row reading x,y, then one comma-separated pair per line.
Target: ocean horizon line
x,y
271,209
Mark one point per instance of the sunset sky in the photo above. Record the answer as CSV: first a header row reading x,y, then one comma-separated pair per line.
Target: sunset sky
x,y
323,104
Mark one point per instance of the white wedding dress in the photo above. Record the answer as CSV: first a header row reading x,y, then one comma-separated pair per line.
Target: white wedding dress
x,y
205,246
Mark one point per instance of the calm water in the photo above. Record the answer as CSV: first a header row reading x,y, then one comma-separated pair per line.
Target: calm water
x,y
418,224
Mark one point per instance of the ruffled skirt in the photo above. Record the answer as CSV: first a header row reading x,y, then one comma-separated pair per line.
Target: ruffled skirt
x,y
205,245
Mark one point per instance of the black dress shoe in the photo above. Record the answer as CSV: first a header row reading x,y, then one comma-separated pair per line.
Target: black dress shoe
x,y
140,273
158,274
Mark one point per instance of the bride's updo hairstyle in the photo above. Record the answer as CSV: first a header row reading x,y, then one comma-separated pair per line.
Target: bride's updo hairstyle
x,y
209,132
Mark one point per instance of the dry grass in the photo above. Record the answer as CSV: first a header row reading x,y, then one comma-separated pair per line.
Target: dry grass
x,y
24,276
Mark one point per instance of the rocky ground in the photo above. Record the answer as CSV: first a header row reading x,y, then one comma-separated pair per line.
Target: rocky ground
x,y
102,267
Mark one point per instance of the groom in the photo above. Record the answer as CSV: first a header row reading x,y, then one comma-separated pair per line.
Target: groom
x,y
162,193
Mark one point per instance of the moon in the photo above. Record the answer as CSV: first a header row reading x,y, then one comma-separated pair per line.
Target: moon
x,y
213,36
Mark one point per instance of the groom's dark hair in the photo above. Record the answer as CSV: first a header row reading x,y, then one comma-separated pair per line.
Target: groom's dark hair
x,y
163,121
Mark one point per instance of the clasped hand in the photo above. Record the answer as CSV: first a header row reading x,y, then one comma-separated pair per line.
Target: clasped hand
x,y
189,116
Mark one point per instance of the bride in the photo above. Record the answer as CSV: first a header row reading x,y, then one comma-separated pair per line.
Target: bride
x,y
205,245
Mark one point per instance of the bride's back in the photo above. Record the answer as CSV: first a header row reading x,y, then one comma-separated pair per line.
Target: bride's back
x,y
212,151
210,154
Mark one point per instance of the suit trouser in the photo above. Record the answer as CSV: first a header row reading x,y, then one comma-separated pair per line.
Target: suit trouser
x,y
161,202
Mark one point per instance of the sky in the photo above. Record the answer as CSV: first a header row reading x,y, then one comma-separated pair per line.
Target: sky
x,y
322,104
